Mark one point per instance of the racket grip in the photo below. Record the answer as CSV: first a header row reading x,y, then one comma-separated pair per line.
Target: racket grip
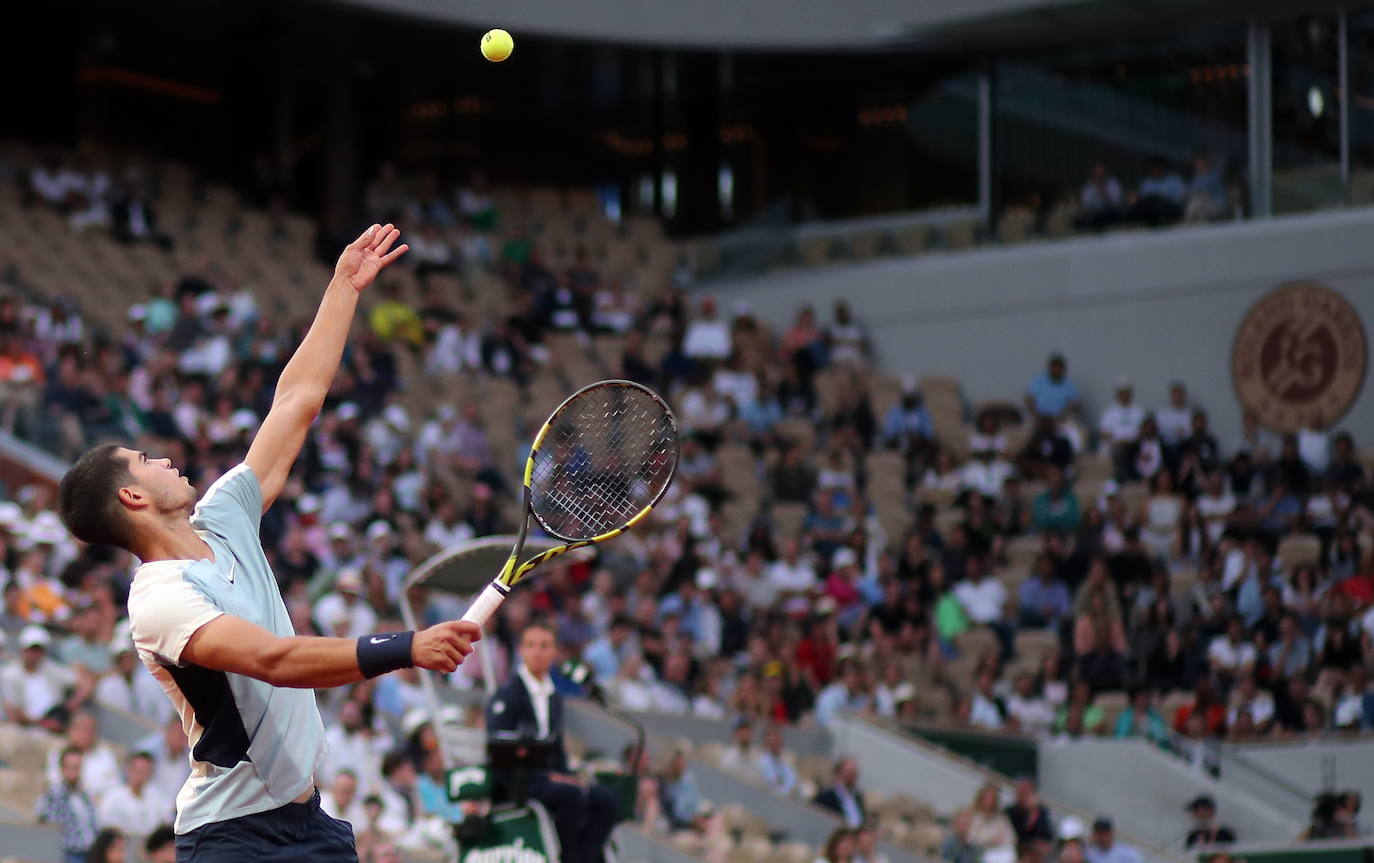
x,y
485,605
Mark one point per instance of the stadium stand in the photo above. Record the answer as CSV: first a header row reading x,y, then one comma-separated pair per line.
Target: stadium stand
x,y
842,539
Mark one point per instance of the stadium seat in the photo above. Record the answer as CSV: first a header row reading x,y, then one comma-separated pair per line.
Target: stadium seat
x,y
1299,549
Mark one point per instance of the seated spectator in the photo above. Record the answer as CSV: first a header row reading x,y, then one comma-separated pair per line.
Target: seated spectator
x,y
1247,698
1120,426
793,480
1052,394
847,694
1028,706
1232,655
848,341
986,473
775,764
1354,710
839,848
135,807
1080,715
1101,203
355,746
741,757
1159,201
957,846
986,709
943,475
1206,193
1204,705
37,691
342,801
1175,419
1043,598
708,336
1046,449
1216,505
1160,514
1056,508
1099,644
161,845
1142,719
64,805
984,600
392,319
1291,654
99,765
1030,818
907,427
989,828
1103,848
1206,830
430,252
843,796
1345,468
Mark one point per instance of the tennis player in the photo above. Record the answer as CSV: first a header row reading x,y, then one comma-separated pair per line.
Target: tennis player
x,y
210,624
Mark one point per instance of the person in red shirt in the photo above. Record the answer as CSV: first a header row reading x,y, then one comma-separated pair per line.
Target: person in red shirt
x,y
1206,704
816,652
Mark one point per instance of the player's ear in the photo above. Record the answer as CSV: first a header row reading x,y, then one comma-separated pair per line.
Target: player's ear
x,y
132,497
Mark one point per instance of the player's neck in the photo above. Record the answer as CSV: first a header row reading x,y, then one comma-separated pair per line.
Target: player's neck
x,y
171,538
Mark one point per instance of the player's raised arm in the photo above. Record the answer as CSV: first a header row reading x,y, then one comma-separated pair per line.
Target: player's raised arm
x,y
306,378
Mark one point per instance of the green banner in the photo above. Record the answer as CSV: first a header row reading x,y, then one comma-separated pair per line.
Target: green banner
x,y
1008,755
524,835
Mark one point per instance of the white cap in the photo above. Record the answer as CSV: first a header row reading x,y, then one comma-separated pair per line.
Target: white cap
x,y
348,411
350,578
34,635
827,605
244,420
844,556
904,692
1071,827
339,530
707,579
396,417
377,529
138,312
308,504
11,515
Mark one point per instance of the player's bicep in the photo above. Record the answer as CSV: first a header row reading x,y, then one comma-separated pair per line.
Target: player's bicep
x,y
230,644
164,613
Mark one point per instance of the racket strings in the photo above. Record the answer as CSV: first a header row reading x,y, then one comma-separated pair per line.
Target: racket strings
x,y
610,453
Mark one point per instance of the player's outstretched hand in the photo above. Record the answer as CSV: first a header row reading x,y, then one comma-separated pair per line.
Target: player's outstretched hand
x,y
368,255
443,646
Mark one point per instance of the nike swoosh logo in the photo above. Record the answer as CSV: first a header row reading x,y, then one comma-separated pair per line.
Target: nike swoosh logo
x,y
383,640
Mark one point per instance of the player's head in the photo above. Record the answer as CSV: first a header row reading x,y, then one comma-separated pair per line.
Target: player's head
x,y
538,648
111,489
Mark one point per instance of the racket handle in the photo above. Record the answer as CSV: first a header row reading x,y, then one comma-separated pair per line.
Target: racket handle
x,y
485,605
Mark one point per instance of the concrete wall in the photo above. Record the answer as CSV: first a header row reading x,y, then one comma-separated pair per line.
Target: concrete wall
x,y
1145,790
1153,306
1319,764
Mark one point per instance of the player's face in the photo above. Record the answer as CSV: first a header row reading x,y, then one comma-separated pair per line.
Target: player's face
x,y
537,650
168,489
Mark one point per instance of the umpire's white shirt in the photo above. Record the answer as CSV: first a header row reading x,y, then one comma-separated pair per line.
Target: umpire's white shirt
x,y
254,747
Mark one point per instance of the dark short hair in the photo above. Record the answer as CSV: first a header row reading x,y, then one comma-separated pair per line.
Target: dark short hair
x,y
393,761
162,836
69,750
87,499
541,623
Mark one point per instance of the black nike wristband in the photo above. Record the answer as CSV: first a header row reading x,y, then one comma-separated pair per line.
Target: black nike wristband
x,y
383,652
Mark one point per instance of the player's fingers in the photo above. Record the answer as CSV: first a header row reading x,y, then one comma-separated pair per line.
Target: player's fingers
x,y
467,629
382,233
395,253
464,646
365,238
388,237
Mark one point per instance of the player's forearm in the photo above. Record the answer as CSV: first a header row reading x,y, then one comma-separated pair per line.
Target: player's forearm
x,y
306,378
309,662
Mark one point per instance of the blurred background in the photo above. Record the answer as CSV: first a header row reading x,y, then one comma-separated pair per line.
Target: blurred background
x,y
1021,347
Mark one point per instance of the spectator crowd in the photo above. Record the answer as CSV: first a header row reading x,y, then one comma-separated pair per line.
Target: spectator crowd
x,y
1227,589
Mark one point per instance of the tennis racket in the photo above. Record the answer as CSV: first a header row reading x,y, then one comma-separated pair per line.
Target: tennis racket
x,y
596,469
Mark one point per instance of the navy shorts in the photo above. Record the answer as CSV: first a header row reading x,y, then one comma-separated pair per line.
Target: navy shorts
x,y
293,833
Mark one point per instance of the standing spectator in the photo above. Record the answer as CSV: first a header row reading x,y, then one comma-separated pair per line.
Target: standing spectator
x,y
66,806
135,806
1206,830
1101,203
843,796
1105,849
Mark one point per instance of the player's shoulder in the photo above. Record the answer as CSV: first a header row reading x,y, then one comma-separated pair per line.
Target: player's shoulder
x,y
157,580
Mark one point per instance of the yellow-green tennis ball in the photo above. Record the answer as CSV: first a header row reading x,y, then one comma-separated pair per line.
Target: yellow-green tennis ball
x,y
497,45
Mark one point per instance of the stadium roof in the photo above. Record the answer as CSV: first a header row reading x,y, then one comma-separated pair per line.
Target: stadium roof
x,y
822,25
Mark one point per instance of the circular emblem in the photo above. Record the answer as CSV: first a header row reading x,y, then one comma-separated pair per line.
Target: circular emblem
x,y
1299,357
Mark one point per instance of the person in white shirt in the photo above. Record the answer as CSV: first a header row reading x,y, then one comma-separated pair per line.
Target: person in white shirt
x,y
341,801
354,746
983,598
776,765
447,528
171,764
1216,505
343,613
1230,655
741,758
129,687
791,573
32,685
136,808
1033,712
99,766
987,710
1248,698
1120,425
707,337
986,473
1175,420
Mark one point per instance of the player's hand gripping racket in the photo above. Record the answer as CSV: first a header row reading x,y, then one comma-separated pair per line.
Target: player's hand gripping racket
x,y
596,469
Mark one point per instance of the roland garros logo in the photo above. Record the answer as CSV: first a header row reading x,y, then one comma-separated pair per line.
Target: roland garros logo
x,y
1299,357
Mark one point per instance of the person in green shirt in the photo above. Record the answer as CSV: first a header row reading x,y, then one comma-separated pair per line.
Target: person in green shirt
x,y
1056,508
1080,716
1141,719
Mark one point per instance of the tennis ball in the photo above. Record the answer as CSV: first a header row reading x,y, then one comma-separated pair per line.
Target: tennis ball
x,y
497,45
